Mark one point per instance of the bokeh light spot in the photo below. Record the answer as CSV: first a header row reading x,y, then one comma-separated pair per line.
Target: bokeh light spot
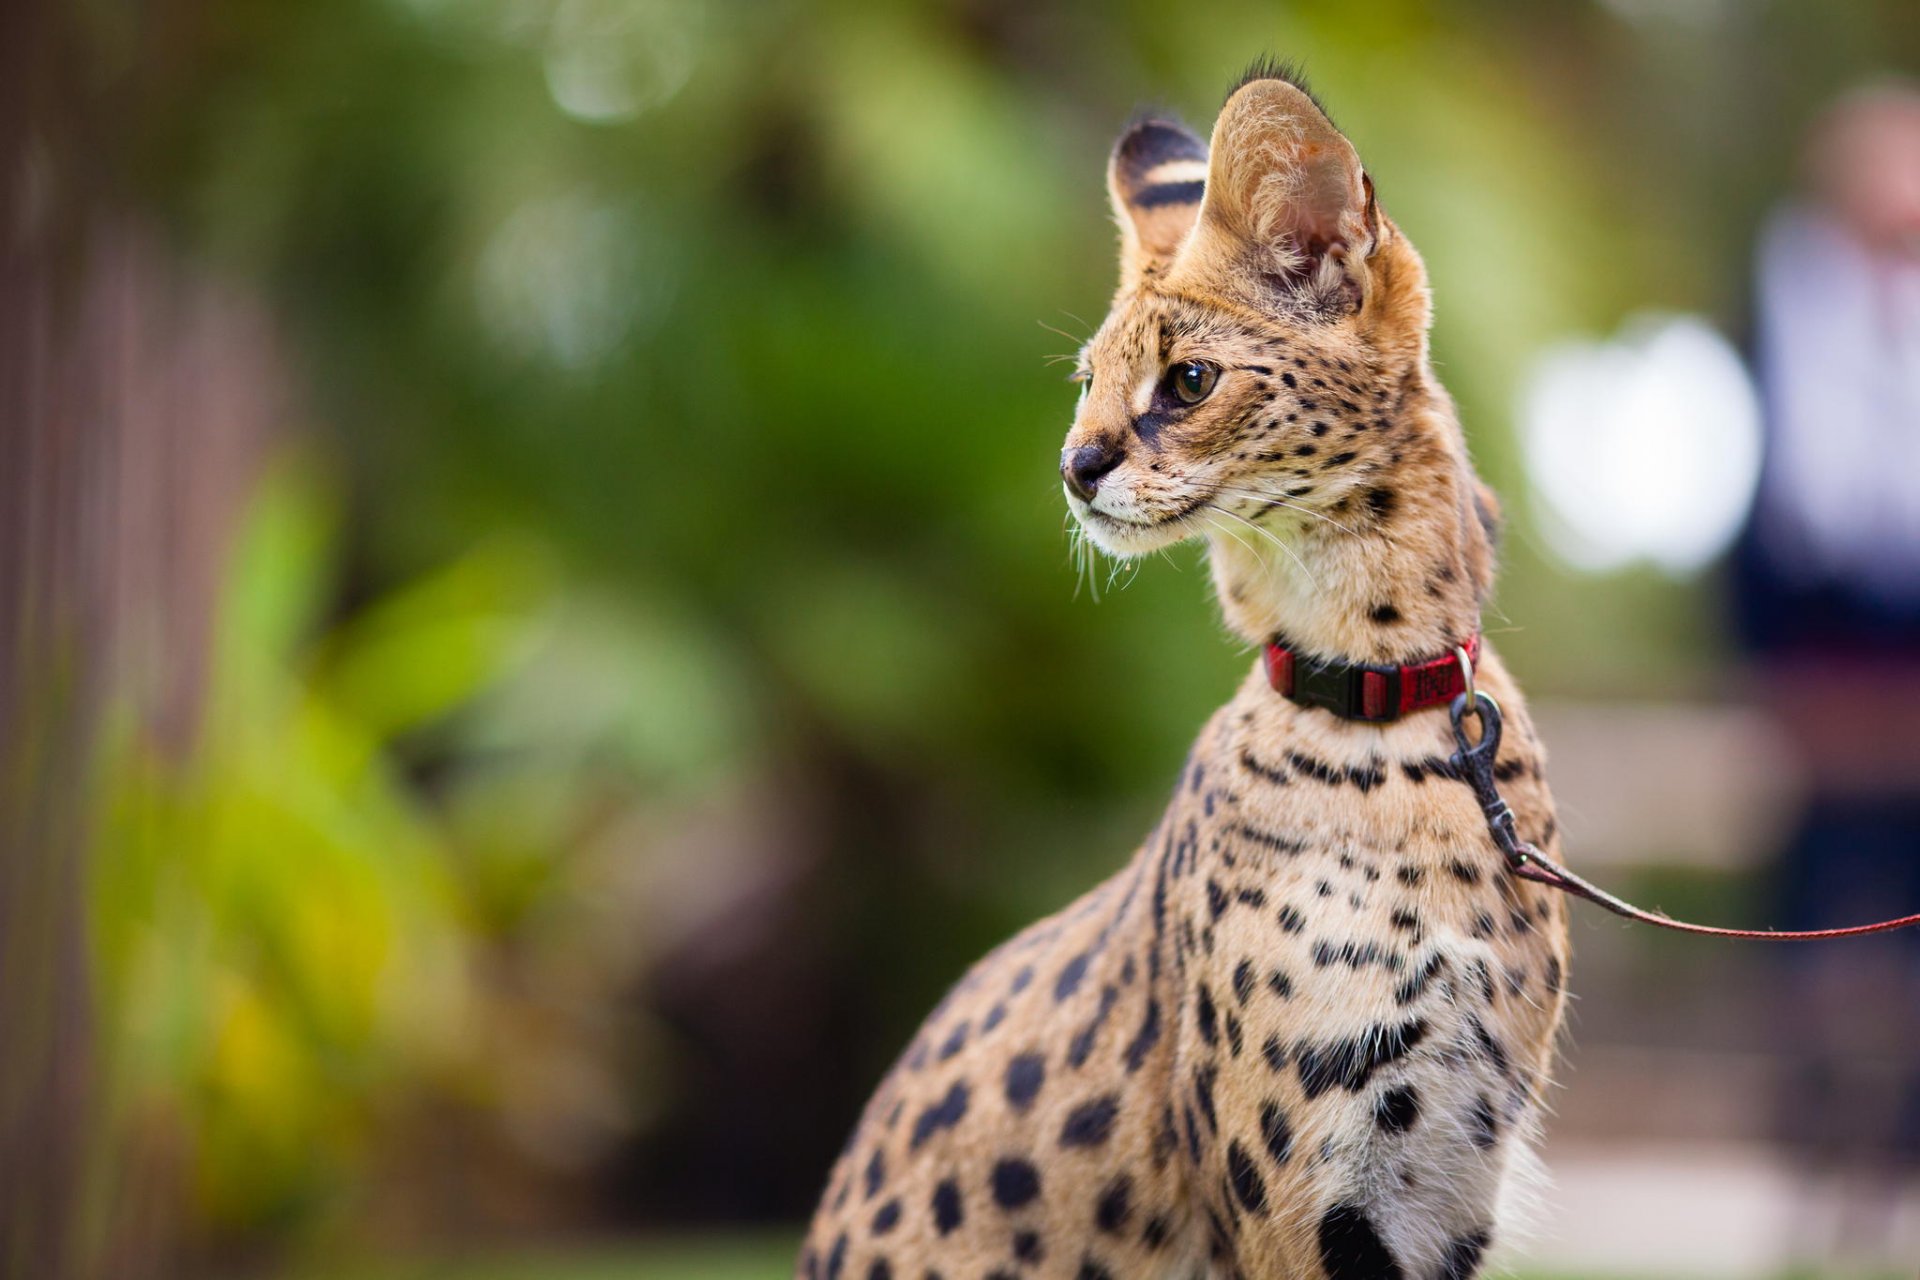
x,y
1643,447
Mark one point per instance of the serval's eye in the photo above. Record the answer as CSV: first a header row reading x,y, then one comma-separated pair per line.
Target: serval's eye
x,y
1192,381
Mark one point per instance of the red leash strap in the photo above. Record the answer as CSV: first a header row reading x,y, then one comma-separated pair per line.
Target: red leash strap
x,y
1530,865
1474,763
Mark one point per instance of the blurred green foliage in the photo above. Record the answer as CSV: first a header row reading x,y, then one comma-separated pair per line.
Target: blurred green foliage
x,y
302,931
685,436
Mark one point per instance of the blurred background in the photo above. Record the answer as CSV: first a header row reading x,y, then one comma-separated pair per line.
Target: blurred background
x,y
539,633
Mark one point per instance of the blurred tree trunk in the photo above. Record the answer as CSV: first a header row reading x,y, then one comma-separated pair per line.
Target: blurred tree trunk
x,y
46,1075
133,409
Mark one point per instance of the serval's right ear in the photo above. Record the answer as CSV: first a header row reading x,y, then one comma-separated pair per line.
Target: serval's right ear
x,y
1156,178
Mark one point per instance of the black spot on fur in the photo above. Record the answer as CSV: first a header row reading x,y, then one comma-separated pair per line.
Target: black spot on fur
x,y
944,1114
1145,1038
1243,980
1270,840
886,1218
1070,977
1355,955
837,1257
1247,1183
1025,1074
1276,1132
1385,614
1016,1183
1203,1078
1350,1063
1418,981
1483,1126
1027,1246
1397,1110
876,1173
947,1213
1350,1248
1090,1123
1495,1052
1115,1205
1275,1053
1154,1234
880,1269
1204,1011
1280,984
1291,921
1082,1046
1091,1270
1463,1256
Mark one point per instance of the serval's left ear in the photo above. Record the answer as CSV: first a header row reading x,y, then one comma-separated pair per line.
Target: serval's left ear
x,y
1155,178
1286,194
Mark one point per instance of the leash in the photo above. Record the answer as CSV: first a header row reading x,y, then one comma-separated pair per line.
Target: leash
x,y
1374,694
1474,764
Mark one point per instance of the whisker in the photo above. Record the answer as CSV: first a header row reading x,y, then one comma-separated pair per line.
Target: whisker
x,y
1062,332
1077,556
1274,538
1279,501
1226,529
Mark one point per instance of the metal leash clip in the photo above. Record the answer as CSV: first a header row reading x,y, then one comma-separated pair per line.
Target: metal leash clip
x,y
1474,762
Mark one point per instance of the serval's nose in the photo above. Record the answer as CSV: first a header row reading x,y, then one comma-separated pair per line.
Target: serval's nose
x,y
1082,468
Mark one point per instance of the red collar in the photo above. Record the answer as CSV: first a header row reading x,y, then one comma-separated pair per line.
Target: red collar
x,y
1355,691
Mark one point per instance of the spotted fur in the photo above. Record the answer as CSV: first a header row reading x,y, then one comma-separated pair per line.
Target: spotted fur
x,y
1305,1030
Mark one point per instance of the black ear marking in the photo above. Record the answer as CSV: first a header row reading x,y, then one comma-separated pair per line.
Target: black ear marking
x,y
1156,179
1161,193
1149,145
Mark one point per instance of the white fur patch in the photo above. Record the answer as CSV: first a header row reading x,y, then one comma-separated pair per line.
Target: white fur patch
x,y
1175,171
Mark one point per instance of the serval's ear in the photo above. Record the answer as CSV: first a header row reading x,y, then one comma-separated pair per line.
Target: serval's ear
x,y
1155,177
1287,185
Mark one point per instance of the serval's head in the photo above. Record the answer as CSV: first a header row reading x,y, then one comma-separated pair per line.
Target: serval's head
x,y
1261,381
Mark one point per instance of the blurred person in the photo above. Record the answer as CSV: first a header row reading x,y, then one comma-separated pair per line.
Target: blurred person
x,y
1828,598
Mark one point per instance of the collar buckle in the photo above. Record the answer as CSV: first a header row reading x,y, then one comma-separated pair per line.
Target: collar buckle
x,y
1350,692
1373,695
